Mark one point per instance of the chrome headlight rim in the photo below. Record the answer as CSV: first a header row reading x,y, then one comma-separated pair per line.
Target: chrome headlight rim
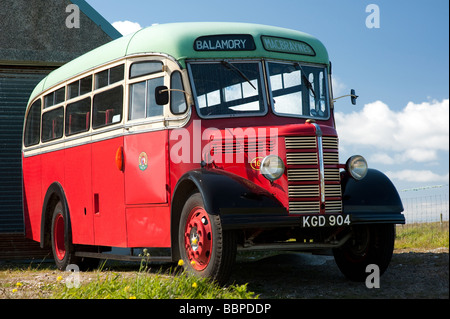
x,y
265,167
357,167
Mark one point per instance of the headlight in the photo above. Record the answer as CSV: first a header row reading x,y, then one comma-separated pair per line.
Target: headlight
x,y
272,167
357,167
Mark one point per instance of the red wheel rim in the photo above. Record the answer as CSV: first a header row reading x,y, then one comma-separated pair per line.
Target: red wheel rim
x,y
58,237
198,238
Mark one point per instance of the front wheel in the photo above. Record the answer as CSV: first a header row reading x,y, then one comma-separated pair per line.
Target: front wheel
x,y
205,248
369,244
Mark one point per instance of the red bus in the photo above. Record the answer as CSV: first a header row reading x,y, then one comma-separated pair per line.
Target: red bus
x,y
199,140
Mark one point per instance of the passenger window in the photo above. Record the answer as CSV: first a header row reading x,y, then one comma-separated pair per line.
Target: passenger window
x,y
109,76
79,87
107,107
142,99
145,68
177,98
33,124
52,124
78,116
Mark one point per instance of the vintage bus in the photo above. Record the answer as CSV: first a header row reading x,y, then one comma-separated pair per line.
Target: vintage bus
x,y
194,141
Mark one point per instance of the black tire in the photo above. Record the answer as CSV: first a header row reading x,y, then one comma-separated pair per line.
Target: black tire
x,y
370,244
62,246
217,247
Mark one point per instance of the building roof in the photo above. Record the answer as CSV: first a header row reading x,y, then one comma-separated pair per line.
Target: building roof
x,y
96,17
177,40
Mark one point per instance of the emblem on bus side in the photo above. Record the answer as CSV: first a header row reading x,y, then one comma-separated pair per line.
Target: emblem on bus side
x,y
256,163
143,161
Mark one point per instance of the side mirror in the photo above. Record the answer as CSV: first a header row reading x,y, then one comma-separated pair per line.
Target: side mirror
x,y
353,96
161,95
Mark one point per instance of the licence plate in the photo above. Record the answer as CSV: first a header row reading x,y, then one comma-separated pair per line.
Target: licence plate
x,y
325,220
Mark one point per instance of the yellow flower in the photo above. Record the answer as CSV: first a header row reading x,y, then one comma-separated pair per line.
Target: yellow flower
x,y
132,297
14,290
180,262
59,278
19,284
194,285
193,262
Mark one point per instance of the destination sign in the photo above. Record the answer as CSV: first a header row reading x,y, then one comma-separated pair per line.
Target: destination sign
x,y
284,45
225,42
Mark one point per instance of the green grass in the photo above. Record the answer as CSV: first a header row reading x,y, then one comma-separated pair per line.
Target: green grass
x,y
422,236
146,285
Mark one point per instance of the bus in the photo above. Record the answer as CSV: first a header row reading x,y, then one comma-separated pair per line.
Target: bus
x,y
196,141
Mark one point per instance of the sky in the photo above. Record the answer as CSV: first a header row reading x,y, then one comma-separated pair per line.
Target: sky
x,y
395,54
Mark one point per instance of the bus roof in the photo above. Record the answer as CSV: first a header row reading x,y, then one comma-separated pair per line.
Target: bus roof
x,y
178,40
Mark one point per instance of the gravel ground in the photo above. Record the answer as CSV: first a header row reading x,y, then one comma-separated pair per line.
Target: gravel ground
x,y
417,274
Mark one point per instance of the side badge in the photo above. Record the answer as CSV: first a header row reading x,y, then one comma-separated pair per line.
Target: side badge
x,y
256,163
143,161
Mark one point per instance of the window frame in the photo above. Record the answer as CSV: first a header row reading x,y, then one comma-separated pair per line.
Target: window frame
x,y
263,90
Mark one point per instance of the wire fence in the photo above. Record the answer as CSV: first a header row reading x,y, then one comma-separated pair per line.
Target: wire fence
x,y
426,204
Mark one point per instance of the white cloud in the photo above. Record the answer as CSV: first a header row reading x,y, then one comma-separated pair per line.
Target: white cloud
x,y
126,27
418,176
415,133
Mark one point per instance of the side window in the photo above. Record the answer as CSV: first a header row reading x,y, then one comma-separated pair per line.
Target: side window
x,y
55,97
78,116
145,68
79,87
109,76
107,107
142,99
177,98
52,124
33,124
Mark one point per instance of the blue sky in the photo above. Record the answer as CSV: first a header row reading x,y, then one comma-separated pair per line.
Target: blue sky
x,y
400,70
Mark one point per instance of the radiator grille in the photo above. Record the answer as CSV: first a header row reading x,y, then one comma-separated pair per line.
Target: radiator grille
x,y
303,172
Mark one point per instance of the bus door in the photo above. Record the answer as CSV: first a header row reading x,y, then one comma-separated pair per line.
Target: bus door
x,y
145,145
145,166
108,179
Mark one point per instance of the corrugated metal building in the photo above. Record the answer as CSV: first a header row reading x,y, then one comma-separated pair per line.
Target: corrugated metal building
x,y
35,37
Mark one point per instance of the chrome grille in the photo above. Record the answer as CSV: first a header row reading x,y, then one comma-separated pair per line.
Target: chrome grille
x,y
301,158
303,167
301,142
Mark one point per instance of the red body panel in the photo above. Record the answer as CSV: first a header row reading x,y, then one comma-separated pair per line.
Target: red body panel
x,y
108,195
32,196
146,168
78,191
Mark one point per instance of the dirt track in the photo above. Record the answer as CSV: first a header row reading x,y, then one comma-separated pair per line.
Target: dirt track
x,y
411,275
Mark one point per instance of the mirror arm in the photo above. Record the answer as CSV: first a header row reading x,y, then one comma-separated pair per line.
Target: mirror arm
x,y
352,95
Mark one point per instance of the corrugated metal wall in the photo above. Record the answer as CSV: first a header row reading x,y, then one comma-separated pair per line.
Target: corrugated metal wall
x,y
16,84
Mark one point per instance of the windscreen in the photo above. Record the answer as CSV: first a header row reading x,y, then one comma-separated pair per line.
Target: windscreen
x,y
227,89
298,90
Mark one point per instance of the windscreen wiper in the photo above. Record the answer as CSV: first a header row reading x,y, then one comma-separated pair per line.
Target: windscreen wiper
x,y
231,66
305,79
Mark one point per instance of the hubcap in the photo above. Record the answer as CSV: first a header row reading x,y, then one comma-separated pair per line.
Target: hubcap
x,y
58,233
198,238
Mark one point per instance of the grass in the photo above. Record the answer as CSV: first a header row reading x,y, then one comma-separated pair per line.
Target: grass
x,y
422,236
173,284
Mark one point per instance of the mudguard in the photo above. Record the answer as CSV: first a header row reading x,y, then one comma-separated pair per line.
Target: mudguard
x,y
373,199
239,202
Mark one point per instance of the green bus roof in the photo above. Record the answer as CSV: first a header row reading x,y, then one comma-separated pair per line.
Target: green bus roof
x,y
177,40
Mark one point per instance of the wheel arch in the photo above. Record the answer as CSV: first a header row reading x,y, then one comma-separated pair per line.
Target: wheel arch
x,y
54,193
